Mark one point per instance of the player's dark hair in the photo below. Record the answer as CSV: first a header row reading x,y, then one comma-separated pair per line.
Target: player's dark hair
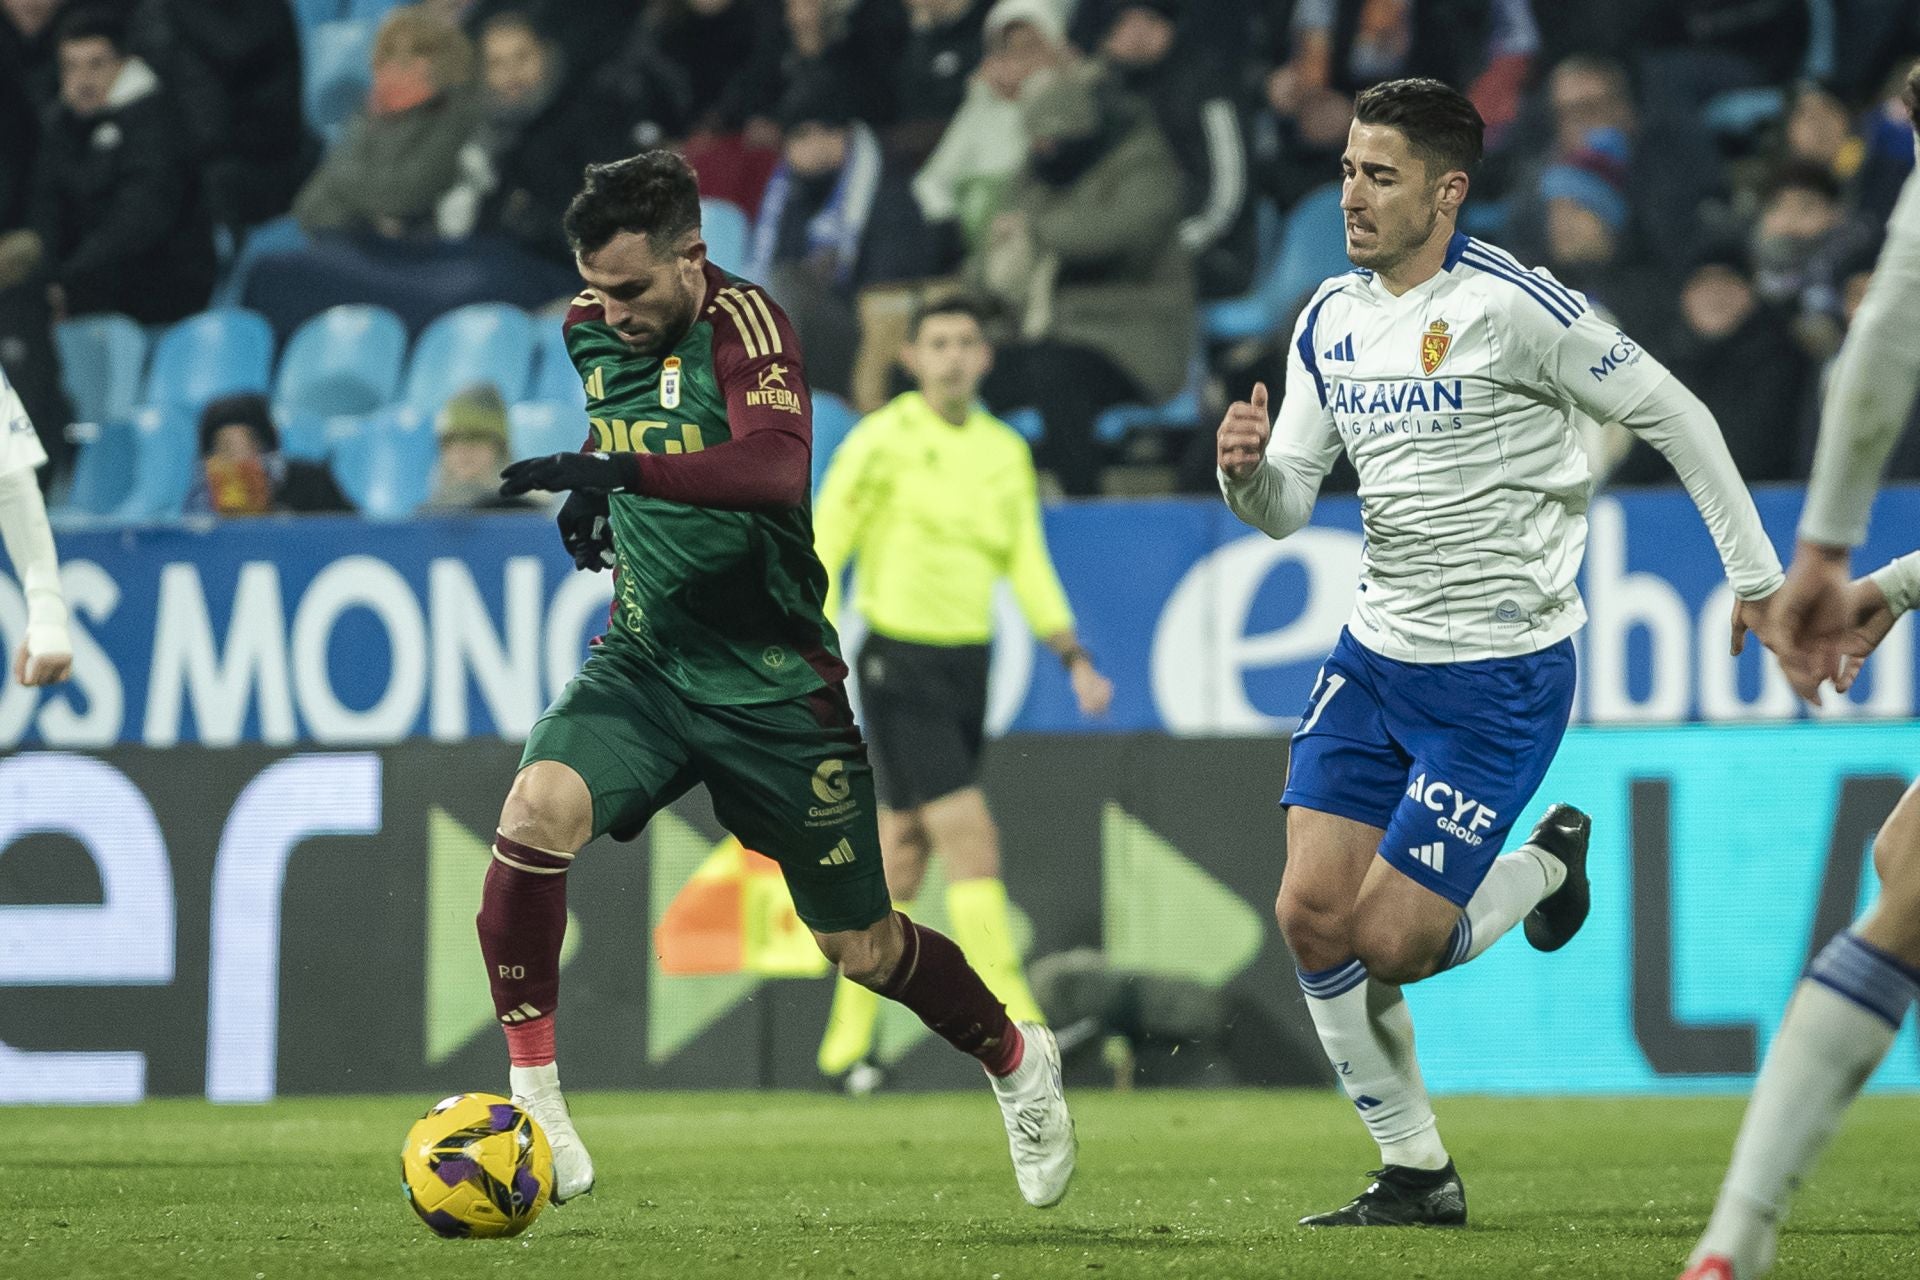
x,y
1444,127
652,194
952,304
92,22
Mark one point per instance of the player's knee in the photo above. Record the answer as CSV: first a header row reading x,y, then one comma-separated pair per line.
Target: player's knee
x,y
1896,849
1316,930
548,807
1393,956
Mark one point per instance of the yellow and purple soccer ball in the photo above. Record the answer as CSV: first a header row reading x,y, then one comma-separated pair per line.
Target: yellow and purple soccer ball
x,y
477,1166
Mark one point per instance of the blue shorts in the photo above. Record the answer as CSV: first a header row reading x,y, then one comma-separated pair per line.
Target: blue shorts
x,y
1442,755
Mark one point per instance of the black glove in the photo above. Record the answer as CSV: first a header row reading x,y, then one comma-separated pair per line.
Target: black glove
x,y
598,472
585,531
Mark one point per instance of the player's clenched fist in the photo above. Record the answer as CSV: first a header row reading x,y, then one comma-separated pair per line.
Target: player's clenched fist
x,y
1244,432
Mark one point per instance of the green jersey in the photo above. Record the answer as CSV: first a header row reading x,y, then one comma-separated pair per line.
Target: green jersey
x,y
716,585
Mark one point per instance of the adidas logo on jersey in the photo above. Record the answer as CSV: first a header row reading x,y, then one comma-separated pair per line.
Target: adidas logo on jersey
x,y
1341,350
839,855
1433,855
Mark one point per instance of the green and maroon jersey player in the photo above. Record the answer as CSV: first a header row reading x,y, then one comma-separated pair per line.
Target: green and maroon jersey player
x,y
716,585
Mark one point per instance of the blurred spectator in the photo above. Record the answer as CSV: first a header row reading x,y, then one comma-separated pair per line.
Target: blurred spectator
x,y
1197,111
1869,155
472,428
400,155
1666,167
1802,248
117,200
964,181
851,39
234,68
648,92
945,42
26,48
243,472
536,138
1087,258
730,52
1693,50
1738,355
833,220
581,29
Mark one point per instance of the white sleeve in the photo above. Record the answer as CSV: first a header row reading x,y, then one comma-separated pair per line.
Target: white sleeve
x,y
1873,389
1673,420
1900,582
29,542
20,448
1278,497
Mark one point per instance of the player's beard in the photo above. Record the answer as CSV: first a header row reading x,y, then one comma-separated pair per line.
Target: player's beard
x,y
673,329
1386,254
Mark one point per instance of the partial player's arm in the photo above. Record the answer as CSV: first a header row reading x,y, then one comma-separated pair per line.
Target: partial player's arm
x,y
1270,470
46,654
765,466
1599,370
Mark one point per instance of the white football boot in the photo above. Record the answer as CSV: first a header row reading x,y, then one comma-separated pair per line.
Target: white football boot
x,y
536,1091
1039,1130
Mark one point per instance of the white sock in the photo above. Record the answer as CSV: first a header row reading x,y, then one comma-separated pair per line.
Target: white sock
x,y
526,1082
1367,1032
1838,1027
1515,884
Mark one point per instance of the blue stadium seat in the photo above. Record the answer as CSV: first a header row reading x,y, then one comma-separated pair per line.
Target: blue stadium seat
x,y
725,227
554,377
308,14
338,58
165,449
1312,248
371,11
1181,410
209,355
485,342
276,235
833,418
386,467
101,359
1027,422
345,360
536,428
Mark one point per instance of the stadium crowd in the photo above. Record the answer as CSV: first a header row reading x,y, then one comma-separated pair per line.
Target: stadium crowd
x,y
1138,188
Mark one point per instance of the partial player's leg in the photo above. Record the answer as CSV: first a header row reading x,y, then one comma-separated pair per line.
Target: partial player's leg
x,y
963,832
791,780
1838,1027
847,1046
603,757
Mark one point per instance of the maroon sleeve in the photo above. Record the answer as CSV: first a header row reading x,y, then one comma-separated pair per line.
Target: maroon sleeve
x,y
767,465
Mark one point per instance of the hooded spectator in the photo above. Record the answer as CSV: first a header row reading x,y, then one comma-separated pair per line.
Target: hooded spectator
x,y
1202,119
400,155
243,472
117,200
472,428
1087,259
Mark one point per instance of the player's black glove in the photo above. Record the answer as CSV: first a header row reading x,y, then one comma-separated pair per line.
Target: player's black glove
x,y
584,530
597,472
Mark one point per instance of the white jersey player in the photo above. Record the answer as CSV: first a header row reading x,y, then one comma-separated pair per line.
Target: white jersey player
x,y
45,654
1854,995
1451,375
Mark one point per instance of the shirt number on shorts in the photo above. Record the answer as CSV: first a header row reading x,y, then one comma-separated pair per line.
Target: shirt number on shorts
x,y
1320,700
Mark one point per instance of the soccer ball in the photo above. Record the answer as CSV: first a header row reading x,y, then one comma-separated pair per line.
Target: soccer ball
x,y
476,1165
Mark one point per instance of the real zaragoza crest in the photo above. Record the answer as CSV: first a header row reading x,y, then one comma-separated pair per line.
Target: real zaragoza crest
x,y
1433,346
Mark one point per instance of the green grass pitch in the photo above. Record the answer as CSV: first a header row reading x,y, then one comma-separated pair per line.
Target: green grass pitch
x,y
1171,1184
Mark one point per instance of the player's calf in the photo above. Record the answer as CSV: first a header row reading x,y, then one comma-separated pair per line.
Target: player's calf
x,y
1316,927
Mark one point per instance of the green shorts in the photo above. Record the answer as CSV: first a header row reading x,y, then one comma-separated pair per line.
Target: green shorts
x,y
789,779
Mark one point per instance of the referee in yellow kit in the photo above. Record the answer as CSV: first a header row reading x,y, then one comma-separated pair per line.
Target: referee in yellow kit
x,y
935,500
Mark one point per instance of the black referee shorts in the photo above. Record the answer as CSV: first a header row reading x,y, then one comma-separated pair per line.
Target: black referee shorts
x,y
923,710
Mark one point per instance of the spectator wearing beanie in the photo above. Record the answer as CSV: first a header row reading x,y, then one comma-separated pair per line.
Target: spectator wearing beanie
x,y
473,448
243,472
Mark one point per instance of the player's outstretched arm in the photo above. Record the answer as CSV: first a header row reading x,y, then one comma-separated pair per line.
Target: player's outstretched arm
x,y
45,656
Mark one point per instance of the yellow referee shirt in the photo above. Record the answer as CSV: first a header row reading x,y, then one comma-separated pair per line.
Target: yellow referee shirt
x,y
935,515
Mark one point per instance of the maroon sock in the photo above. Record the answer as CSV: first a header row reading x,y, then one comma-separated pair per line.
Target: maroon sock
x,y
523,917
935,981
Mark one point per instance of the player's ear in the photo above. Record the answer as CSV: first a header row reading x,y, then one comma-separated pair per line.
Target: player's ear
x,y
1453,190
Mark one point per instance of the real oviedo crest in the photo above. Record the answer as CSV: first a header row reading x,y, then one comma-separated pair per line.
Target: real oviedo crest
x,y
1433,346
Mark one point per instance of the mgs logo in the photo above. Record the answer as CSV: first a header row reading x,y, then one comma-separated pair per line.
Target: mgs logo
x,y
830,782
